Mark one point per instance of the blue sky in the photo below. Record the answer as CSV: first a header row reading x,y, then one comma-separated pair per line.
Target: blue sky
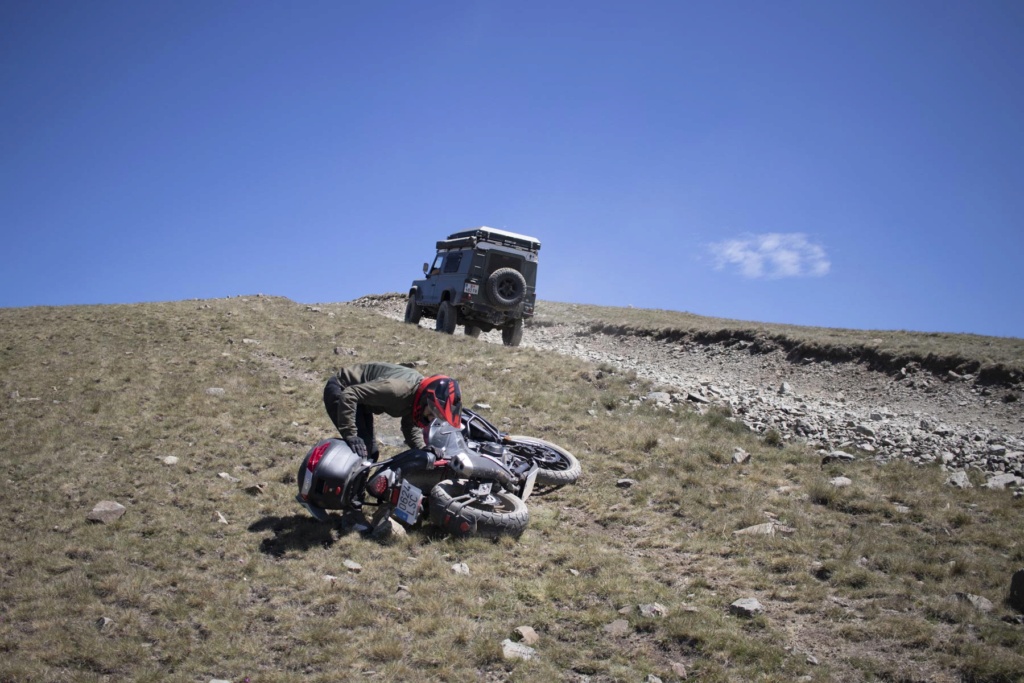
x,y
838,164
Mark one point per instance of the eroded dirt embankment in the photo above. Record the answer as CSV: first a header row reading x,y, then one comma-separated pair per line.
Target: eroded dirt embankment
x,y
923,407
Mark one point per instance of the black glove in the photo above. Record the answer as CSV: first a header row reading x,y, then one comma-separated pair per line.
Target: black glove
x,y
357,445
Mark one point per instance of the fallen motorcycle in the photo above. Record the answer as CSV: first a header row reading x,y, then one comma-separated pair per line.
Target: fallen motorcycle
x,y
475,486
557,466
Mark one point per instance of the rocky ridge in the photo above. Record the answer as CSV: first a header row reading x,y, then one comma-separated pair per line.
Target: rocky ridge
x,y
843,409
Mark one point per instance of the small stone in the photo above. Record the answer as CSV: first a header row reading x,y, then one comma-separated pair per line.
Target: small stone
x,y
840,482
574,572
216,391
526,635
221,518
626,483
865,430
461,568
785,389
228,477
659,397
679,669
619,627
106,511
255,489
959,480
980,603
653,610
651,678
353,566
740,456
812,660
252,342
746,607
104,623
387,529
1001,481
170,460
513,650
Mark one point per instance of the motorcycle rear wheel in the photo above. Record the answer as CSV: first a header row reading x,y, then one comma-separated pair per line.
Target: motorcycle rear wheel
x,y
508,518
558,467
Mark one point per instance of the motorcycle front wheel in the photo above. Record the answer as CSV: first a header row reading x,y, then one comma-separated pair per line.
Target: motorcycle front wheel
x,y
451,508
558,466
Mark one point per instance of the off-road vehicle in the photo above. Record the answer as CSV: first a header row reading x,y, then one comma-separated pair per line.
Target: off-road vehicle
x,y
483,279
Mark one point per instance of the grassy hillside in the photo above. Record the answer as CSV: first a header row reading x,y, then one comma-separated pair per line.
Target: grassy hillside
x,y
205,577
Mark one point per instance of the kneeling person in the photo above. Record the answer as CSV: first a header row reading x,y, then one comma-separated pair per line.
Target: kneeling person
x,y
355,394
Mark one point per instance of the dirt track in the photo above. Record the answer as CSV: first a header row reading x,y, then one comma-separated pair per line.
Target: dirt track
x,y
829,405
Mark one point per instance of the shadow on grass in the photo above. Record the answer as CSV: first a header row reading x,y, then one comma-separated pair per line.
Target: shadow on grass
x,y
300,533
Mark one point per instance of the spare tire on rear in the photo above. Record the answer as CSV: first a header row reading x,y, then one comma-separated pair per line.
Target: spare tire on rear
x,y
506,288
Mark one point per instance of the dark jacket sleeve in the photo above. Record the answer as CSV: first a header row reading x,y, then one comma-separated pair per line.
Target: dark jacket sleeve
x,y
413,434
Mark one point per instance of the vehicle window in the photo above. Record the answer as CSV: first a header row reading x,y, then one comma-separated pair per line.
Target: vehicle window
x,y
503,261
436,268
451,263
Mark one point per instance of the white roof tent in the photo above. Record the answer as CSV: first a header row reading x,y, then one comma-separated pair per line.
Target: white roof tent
x,y
469,238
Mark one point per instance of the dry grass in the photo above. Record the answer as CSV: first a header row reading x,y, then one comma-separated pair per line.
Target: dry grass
x,y
95,397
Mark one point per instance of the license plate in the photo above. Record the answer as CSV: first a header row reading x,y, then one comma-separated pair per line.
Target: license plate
x,y
470,288
408,507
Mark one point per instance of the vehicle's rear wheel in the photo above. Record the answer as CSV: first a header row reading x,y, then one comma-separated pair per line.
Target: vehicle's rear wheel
x,y
413,312
453,509
446,318
472,331
513,334
506,288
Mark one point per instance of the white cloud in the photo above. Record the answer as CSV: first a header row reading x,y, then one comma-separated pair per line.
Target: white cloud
x,y
772,256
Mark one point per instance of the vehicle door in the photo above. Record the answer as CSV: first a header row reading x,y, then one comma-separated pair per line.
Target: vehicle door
x,y
431,289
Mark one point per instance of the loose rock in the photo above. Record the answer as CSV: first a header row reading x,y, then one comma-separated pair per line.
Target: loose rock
x,y
746,607
619,627
106,511
513,650
526,635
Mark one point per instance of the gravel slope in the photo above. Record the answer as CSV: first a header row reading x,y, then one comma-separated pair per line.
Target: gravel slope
x,y
831,406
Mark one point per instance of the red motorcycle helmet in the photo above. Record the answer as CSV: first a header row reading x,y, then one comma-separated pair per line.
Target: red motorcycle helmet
x,y
441,393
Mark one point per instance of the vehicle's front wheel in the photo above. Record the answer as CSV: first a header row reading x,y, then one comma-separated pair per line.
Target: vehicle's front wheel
x,y
558,466
513,334
446,318
413,312
456,511
472,331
